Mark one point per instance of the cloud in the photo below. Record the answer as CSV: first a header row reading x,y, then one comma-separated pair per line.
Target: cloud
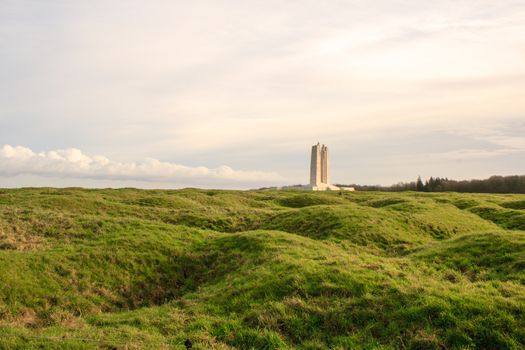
x,y
72,163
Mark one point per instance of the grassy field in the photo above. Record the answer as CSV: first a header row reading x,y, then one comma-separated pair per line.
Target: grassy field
x,y
135,269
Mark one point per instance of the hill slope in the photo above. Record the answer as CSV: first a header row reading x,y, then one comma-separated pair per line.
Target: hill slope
x,y
260,269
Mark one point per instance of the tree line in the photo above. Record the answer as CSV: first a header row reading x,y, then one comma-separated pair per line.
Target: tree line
x,y
494,184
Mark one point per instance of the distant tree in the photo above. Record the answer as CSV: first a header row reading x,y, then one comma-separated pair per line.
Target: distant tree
x,y
419,184
494,184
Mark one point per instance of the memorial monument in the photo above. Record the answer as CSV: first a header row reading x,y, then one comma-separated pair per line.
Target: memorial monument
x,y
320,169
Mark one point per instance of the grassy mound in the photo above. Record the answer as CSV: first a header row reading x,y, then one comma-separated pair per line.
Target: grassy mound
x,y
346,222
86,269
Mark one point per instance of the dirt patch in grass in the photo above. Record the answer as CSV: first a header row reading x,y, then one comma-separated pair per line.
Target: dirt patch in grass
x,y
17,238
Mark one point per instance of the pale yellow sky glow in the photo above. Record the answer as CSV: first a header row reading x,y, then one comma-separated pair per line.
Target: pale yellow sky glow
x,y
396,88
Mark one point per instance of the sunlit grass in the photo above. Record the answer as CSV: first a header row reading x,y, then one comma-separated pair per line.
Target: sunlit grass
x,y
260,269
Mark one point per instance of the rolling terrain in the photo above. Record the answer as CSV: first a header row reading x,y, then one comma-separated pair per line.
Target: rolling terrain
x,y
148,269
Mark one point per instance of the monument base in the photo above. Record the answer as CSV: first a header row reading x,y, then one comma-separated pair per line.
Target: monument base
x,y
321,187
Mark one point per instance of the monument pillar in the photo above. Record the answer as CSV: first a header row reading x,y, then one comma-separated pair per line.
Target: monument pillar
x,y
315,166
320,169
324,164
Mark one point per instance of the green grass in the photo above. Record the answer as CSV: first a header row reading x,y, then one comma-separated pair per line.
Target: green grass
x,y
135,269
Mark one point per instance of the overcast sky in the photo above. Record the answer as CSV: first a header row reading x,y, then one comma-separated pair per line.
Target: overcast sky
x,y
232,94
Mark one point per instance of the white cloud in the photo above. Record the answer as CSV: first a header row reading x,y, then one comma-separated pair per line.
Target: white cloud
x,y
73,163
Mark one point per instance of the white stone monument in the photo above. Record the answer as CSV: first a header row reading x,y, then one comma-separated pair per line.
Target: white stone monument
x,y
320,169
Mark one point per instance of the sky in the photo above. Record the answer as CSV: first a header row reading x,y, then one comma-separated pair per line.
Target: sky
x,y
232,94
